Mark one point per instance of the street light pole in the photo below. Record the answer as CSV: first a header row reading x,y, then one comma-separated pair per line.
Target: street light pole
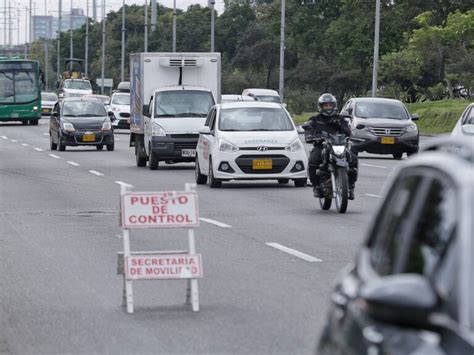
x,y
212,3
71,48
86,55
174,26
103,48
122,62
146,25
376,48
282,51
60,14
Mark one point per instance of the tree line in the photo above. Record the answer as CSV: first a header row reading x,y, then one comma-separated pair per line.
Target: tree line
x,y
426,46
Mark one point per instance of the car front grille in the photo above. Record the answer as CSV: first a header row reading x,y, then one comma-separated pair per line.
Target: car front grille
x,y
387,131
262,149
124,114
184,145
279,163
185,136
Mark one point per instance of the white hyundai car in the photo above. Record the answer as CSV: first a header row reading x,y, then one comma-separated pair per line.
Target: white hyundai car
x,y
120,106
250,141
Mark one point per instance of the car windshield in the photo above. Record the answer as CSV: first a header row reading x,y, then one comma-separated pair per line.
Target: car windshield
x,y
371,109
183,103
83,109
122,99
254,119
77,85
47,96
18,86
265,98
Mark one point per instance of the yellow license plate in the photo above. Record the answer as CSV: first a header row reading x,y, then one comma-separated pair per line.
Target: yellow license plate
x,y
262,164
45,110
387,140
88,137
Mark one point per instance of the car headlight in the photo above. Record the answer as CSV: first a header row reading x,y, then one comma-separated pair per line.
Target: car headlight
x,y
294,146
35,108
225,146
157,130
106,126
68,127
338,149
411,128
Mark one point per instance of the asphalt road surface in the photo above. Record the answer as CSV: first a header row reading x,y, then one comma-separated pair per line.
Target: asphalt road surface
x,y
60,292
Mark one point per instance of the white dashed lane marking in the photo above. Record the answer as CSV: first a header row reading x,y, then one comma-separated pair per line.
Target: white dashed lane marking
x,y
125,184
372,195
39,149
4,137
54,156
93,172
294,252
73,163
374,166
25,144
14,140
216,223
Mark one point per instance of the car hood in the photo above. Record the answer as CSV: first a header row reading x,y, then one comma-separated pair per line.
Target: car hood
x,y
382,122
77,92
181,124
252,139
86,122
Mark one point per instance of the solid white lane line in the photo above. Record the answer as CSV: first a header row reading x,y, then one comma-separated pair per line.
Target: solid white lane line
x,y
4,137
374,166
39,149
54,156
371,195
25,144
216,223
294,252
14,140
73,163
45,134
96,173
124,183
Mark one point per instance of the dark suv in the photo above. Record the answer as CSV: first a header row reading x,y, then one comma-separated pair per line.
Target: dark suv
x,y
411,287
382,126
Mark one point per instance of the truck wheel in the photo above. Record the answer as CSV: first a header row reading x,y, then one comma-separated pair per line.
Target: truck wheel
x,y
153,161
24,123
140,160
34,122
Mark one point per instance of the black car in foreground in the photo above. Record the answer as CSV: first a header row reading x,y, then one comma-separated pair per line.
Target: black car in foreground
x,y
382,126
80,121
411,287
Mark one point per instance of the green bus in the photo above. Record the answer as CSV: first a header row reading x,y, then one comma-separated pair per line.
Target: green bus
x,y
20,90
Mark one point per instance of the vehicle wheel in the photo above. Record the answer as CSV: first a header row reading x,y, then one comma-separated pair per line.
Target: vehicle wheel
x,y
52,145
283,181
201,179
213,182
342,190
140,160
300,182
153,161
99,147
110,147
24,123
34,122
61,146
397,155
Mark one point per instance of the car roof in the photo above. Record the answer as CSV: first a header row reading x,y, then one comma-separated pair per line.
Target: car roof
x,y
257,91
376,99
183,87
245,104
76,79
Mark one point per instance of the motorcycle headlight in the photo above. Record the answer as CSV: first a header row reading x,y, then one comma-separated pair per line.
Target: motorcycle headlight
x,y
339,149
294,146
68,127
225,146
157,130
106,126
411,128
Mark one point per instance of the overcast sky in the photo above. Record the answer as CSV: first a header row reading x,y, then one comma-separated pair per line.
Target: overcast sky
x,y
41,6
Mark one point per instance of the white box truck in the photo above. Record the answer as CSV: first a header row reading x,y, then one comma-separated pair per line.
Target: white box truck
x,y
170,97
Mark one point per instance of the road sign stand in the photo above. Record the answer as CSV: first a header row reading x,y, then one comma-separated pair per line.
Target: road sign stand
x,y
177,264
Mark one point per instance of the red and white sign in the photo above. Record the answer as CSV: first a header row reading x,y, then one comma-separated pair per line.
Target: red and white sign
x,y
160,210
161,266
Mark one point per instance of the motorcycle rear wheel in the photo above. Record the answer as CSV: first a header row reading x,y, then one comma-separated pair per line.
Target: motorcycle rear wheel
x,y
342,190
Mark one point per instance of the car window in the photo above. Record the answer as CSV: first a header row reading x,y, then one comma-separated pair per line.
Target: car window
x,y
213,120
83,109
469,117
394,220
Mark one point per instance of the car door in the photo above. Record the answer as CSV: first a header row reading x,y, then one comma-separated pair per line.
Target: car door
x,y
206,142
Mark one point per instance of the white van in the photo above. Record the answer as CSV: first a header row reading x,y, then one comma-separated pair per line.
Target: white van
x,y
265,95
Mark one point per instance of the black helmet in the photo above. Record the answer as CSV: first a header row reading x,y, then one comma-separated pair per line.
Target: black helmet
x,y
324,99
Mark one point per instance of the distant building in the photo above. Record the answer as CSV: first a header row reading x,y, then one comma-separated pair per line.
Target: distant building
x,y
47,26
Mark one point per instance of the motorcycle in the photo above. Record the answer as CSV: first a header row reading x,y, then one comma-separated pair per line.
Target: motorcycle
x,y
334,170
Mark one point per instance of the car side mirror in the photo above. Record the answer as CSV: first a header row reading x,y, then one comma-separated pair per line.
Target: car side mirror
x,y
345,114
146,110
415,117
468,128
205,130
400,299
284,105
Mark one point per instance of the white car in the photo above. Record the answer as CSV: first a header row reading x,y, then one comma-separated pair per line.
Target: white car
x,y
48,99
234,98
465,125
250,141
265,95
120,106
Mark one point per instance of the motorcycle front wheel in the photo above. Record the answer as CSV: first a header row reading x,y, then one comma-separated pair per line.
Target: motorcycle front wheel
x,y
342,190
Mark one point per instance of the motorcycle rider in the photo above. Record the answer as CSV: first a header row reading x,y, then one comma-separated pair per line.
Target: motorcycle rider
x,y
330,121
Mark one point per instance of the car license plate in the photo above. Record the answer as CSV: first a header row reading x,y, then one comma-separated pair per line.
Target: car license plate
x,y
88,138
188,153
387,140
262,164
45,110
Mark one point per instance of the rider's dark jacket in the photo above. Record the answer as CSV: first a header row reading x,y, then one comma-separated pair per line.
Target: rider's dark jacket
x,y
332,125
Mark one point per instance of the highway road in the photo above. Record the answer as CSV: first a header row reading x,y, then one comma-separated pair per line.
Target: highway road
x,y
59,221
